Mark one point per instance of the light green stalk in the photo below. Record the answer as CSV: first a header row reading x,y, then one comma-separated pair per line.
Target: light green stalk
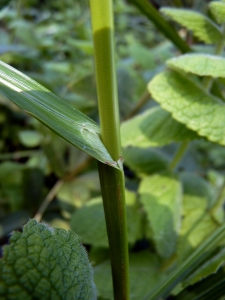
x,y
112,179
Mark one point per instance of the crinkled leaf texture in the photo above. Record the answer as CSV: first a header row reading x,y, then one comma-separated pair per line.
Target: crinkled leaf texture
x,y
199,64
45,263
55,113
190,104
217,9
202,27
154,128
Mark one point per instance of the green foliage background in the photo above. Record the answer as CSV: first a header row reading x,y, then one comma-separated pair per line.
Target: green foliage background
x,y
174,152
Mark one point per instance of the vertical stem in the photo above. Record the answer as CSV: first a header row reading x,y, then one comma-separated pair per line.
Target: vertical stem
x,y
164,27
112,180
179,155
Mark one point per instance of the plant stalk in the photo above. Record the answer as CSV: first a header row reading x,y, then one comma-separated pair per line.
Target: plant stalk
x,y
111,179
164,27
178,156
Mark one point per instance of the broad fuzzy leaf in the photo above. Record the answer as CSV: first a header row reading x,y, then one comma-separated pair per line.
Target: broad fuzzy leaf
x,y
190,104
145,161
144,276
199,64
161,197
202,27
45,263
154,128
55,113
89,221
217,9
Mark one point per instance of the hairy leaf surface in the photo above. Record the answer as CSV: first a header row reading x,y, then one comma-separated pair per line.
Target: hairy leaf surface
x,y
202,27
154,128
52,111
45,263
199,64
190,104
161,197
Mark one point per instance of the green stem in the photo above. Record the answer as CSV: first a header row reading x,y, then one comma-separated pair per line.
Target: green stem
x,y
112,179
165,28
178,155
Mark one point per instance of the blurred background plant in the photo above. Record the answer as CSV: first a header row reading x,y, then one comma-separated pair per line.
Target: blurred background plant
x,y
44,177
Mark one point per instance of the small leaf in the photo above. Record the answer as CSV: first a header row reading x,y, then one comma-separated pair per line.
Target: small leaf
x,y
30,138
217,9
145,161
190,104
55,113
161,196
202,27
154,128
199,64
45,263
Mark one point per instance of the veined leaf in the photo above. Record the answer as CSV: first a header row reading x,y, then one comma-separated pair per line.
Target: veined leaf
x,y
55,113
202,27
217,9
45,263
154,128
199,64
161,196
190,104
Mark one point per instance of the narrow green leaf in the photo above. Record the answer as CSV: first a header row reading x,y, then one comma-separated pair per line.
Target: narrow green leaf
x,y
189,265
211,288
217,9
161,196
199,64
45,263
55,113
165,28
190,104
202,27
154,128
208,268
